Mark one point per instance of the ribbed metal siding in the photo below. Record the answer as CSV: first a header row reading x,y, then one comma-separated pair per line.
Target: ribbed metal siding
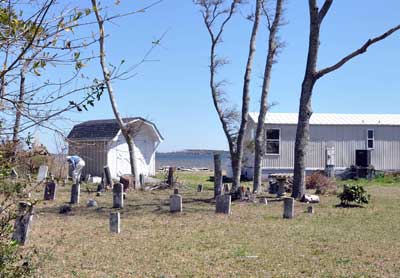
x,y
345,139
93,152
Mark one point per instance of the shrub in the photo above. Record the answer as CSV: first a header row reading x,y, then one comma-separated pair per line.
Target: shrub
x,y
321,183
353,193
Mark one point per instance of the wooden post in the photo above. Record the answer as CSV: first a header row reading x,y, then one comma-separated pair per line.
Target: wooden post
x,y
217,175
171,173
107,176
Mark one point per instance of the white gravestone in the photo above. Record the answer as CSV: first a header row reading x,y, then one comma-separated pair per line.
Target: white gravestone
x,y
42,173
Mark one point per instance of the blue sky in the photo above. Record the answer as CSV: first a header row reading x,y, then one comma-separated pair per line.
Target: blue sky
x,y
173,91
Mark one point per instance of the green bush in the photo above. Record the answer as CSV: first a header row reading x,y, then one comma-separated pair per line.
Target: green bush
x,y
353,193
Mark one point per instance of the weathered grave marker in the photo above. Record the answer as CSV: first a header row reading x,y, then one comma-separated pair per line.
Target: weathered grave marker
x,y
115,222
310,209
23,223
200,188
118,195
217,175
288,207
29,178
226,187
171,173
107,176
141,180
175,203
75,193
51,177
50,191
264,201
176,191
223,204
42,173
128,181
87,177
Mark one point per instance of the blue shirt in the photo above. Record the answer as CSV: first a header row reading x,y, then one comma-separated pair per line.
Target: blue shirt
x,y
74,160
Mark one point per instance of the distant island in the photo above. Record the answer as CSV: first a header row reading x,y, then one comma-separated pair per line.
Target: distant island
x,y
195,151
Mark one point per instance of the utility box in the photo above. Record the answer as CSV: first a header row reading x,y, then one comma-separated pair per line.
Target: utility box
x,y
330,156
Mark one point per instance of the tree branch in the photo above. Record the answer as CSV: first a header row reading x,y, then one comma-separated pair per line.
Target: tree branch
x,y
324,10
357,52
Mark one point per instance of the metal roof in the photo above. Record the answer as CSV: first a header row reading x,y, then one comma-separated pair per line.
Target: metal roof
x,y
331,119
103,129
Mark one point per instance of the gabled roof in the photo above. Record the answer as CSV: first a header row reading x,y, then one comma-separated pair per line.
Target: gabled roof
x,y
104,129
331,119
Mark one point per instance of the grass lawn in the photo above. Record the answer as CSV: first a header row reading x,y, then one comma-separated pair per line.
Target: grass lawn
x,y
252,242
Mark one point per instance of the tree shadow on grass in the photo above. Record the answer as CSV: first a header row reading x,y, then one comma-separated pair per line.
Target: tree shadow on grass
x,y
348,206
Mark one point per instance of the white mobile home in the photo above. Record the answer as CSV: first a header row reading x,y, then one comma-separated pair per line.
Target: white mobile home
x,y
334,140
101,143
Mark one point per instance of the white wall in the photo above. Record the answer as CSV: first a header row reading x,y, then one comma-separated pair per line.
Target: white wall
x,y
145,146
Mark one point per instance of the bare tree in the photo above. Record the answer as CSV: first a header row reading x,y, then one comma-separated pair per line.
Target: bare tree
x,y
129,131
216,16
273,47
312,74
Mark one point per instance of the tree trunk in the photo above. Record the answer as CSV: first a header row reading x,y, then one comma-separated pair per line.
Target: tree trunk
x,y
107,76
305,110
302,139
18,113
132,159
259,142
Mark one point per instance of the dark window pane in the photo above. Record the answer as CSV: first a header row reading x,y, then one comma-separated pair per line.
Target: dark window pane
x,y
370,144
273,134
273,147
370,134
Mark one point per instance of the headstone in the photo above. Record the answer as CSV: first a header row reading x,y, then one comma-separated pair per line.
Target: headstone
x,y
14,174
91,203
226,188
176,191
115,222
42,173
264,201
171,172
51,177
217,175
310,209
75,193
288,207
50,191
29,178
200,188
87,178
98,193
23,223
253,198
175,203
107,176
223,204
141,180
118,196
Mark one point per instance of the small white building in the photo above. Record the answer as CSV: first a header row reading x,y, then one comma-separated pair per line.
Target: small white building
x,y
101,143
338,140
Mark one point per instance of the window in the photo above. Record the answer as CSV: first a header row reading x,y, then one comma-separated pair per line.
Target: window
x,y
370,139
273,139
